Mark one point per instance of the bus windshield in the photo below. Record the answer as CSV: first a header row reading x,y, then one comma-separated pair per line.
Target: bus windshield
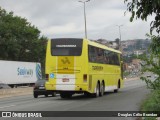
x,y
66,47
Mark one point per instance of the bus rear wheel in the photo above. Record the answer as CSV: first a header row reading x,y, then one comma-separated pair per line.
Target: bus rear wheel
x,y
53,94
46,95
97,91
102,89
118,86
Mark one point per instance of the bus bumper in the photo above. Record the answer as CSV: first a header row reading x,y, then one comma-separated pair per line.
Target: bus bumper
x,y
67,87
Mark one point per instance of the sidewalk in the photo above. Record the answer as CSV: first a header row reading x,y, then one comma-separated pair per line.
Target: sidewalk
x,y
15,92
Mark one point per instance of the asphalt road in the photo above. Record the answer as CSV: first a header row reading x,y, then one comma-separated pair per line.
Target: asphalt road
x,y
128,98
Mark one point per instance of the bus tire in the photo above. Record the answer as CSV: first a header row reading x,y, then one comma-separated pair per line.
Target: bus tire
x,y
118,86
116,91
46,95
54,94
102,89
95,95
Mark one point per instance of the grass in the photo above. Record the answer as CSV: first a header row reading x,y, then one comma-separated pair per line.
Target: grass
x,y
152,103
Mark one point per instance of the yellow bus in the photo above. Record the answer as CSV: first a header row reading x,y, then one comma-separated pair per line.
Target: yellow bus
x,y
82,66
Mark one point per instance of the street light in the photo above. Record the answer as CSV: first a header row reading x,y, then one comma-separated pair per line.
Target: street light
x,y
119,26
84,2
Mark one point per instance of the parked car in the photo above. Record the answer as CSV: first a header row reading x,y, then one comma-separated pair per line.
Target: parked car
x,y
39,89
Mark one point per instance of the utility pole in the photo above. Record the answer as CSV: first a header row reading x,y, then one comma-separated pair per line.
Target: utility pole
x,y
119,26
84,2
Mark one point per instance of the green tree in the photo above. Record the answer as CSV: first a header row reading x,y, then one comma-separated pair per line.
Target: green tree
x,y
19,40
144,8
152,63
8,42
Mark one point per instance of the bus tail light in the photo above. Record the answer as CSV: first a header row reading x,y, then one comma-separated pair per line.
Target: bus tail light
x,y
47,77
85,78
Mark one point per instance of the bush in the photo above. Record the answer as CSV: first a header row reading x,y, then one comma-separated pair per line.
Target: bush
x,y
152,103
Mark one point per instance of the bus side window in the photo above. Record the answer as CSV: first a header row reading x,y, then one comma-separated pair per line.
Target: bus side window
x,y
118,60
110,58
106,57
106,60
113,58
92,54
100,55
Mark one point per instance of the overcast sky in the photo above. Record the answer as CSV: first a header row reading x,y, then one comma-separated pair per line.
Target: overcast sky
x,y
65,18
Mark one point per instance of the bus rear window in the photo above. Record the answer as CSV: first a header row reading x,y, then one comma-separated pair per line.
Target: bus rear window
x,y
66,47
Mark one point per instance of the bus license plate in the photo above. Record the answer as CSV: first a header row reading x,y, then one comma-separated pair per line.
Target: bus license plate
x,y
41,87
65,80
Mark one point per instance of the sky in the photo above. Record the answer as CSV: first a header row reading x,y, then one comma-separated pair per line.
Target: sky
x,y
65,18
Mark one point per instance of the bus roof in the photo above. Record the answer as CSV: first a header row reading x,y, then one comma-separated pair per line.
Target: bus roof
x,y
102,46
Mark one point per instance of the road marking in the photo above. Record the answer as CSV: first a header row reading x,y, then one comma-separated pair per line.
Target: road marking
x,y
7,106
